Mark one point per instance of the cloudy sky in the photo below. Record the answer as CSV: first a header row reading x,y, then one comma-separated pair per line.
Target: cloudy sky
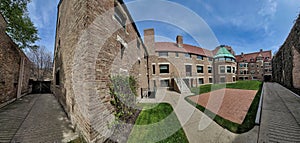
x,y
246,25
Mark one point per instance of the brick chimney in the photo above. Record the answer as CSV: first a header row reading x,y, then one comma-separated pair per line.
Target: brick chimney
x,y
261,50
179,41
242,54
149,40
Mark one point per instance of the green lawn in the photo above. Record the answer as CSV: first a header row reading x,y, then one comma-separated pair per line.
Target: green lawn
x,y
248,84
157,123
249,121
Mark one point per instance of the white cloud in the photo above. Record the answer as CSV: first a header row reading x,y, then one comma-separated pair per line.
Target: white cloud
x,y
269,8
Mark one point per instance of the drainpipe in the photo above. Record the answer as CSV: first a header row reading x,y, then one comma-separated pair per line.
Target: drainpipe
x,y
20,81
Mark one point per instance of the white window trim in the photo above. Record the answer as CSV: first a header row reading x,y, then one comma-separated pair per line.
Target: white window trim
x,y
163,56
197,69
163,63
211,69
219,69
122,41
152,69
223,77
211,78
164,79
188,64
200,78
178,54
230,68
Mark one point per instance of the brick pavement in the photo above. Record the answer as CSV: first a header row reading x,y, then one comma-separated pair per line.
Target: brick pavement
x,y
198,127
231,104
280,119
35,118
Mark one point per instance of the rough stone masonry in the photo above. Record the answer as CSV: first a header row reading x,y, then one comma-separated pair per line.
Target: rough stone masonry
x,y
95,40
286,62
14,68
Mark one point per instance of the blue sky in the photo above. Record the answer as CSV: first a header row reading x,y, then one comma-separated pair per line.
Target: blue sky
x,y
246,25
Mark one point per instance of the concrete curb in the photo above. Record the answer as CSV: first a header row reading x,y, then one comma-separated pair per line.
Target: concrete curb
x,y
258,113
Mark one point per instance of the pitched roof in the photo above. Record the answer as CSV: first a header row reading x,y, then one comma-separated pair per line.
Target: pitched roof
x,y
249,56
223,52
172,47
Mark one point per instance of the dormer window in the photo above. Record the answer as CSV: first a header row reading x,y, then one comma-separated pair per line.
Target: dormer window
x,y
188,55
199,57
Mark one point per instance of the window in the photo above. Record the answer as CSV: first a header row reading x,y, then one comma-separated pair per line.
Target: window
x,y
164,83
163,54
210,80
138,44
187,55
119,16
222,79
153,69
222,69
176,54
243,65
221,59
228,69
201,81
209,69
164,68
199,57
241,72
199,69
233,69
233,79
210,59
57,78
122,50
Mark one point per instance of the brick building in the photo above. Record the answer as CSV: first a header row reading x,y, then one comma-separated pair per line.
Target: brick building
x,y
14,68
286,62
95,40
172,64
254,66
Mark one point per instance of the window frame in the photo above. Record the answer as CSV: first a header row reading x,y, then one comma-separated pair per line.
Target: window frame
x,y
166,54
220,71
200,70
167,70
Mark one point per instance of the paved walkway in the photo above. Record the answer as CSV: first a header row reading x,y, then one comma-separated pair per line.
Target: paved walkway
x,y
231,104
35,118
280,119
198,127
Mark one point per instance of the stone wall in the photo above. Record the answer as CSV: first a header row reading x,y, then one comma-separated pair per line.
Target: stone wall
x,y
286,67
14,69
91,47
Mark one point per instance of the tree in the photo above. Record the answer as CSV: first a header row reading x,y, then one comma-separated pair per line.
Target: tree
x,y
41,63
19,26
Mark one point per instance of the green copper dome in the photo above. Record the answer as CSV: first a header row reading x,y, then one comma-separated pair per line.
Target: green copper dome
x,y
223,52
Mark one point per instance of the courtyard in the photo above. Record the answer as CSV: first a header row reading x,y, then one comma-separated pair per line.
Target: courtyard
x,y
230,104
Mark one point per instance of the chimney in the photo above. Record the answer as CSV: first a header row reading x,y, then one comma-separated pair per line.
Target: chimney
x,y
179,41
149,40
242,54
261,50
